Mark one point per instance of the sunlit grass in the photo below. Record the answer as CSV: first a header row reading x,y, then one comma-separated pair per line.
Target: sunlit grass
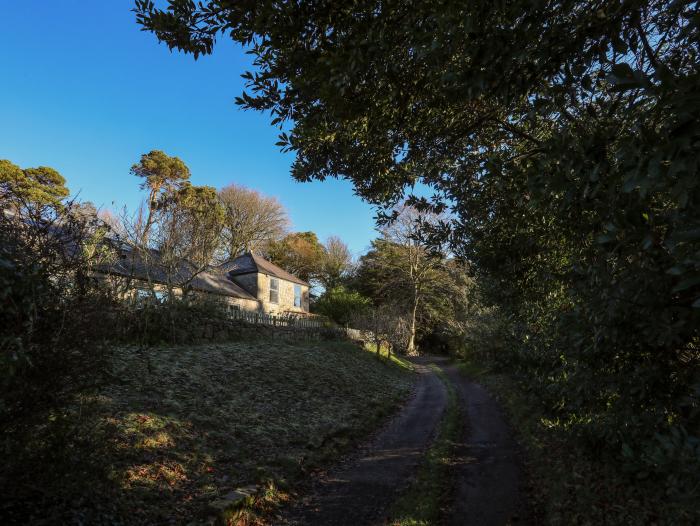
x,y
166,475
186,425
394,358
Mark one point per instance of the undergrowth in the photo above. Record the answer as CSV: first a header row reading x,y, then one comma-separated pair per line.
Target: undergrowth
x,y
568,484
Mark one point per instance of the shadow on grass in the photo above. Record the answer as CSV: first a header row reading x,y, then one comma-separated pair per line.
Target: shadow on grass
x,y
185,426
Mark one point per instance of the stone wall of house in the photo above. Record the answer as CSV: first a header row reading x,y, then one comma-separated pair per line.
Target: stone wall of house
x,y
242,303
286,296
249,282
131,288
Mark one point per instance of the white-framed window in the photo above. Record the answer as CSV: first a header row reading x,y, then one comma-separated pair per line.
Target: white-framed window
x,y
274,290
143,295
297,295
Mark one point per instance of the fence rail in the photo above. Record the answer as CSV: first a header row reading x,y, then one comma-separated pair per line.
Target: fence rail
x,y
277,321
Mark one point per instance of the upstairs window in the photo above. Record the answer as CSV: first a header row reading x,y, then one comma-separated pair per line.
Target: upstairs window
x,y
297,295
274,290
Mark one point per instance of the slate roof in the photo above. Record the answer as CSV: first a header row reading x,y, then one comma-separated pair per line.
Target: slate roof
x,y
250,262
131,264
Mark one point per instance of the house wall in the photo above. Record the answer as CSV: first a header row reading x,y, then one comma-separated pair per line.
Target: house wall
x,y
286,296
244,304
129,288
249,282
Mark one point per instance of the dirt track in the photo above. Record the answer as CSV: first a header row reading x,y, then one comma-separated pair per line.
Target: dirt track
x,y
359,491
486,473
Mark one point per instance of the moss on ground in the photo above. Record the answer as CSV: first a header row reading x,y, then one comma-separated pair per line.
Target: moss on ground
x,y
183,426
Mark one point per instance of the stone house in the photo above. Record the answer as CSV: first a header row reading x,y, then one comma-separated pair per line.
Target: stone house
x,y
248,282
278,291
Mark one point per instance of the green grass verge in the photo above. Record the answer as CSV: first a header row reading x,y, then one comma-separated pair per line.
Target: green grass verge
x,y
567,484
422,502
183,426
394,358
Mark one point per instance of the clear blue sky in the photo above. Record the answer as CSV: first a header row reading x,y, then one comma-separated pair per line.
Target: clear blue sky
x,y
84,91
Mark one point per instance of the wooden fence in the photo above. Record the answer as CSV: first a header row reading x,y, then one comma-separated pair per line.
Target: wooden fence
x,y
277,321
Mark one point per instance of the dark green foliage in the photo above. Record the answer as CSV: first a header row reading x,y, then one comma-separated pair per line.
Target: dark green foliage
x,y
53,325
341,305
382,274
567,485
564,139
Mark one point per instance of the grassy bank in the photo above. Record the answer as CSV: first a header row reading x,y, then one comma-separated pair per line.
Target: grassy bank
x,y
181,427
421,503
567,483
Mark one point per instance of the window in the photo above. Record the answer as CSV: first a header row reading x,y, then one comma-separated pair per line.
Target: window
x,y
142,295
274,290
297,295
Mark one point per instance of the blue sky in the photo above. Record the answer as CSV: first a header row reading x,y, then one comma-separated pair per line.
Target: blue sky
x,y
84,91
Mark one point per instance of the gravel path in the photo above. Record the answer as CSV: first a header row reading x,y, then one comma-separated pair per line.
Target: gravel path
x,y
486,473
358,492
487,491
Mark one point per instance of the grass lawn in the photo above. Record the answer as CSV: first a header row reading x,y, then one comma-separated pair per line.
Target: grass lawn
x,y
183,426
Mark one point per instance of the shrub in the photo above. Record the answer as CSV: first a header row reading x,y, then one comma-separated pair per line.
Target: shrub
x,y
340,305
54,331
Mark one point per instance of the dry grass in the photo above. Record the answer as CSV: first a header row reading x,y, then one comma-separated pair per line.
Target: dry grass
x,y
182,426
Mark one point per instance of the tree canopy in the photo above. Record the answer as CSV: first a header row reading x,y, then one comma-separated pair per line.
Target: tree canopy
x,y
300,253
33,188
162,177
562,137
336,261
252,220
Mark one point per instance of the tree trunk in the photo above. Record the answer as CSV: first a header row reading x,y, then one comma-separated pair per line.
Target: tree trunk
x,y
411,347
149,219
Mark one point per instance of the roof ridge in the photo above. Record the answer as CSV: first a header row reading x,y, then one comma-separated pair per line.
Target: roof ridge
x,y
259,264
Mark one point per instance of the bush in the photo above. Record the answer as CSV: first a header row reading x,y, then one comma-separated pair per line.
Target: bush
x,y
53,326
340,304
149,323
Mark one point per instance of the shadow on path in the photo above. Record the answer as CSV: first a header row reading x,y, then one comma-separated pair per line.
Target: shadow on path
x,y
359,492
487,474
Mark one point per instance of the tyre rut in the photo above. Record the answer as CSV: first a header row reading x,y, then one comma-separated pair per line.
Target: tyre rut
x,y
487,472
360,492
